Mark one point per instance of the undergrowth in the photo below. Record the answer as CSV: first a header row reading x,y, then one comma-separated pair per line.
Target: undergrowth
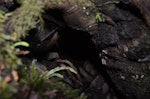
x,y
17,80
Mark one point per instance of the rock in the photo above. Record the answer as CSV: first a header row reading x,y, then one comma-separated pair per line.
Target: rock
x,y
106,36
128,58
52,56
143,6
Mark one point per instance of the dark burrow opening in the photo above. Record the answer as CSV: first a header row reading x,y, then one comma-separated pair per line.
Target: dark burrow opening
x,y
76,45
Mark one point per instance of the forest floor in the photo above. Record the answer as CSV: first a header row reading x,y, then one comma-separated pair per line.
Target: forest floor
x,y
122,45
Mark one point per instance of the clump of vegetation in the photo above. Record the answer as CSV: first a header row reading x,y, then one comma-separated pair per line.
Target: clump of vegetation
x,y
17,79
8,61
26,17
43,86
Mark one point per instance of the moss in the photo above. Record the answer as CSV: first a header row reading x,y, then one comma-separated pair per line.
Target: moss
x,y
13,27
26,17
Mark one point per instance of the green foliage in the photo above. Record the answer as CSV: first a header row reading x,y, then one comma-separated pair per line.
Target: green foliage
x,y
1,15
8,59
7,51
4,16
18,23
21,43
69,92
39,83
99,17
30,77
26,17
6,90
52,73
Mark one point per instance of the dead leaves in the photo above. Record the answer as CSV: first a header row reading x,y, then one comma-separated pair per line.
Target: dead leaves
x,y
15,76
22,52
12,77
2,66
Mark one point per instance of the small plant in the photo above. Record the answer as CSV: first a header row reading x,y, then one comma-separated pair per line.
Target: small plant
x,y
99,17
54,71
37,82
